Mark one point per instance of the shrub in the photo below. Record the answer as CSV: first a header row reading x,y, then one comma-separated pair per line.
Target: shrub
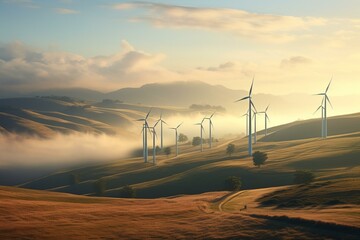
x,y
167,151
232,183
303,177
127,192
196,141
182,137
230,149
259,158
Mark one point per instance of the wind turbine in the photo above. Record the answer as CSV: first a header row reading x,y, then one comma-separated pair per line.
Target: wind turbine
x,y
247,122
201,132
176,138
325,99
249,115
161,131
144,132
153,131
266,118
255,113
322,117
211,125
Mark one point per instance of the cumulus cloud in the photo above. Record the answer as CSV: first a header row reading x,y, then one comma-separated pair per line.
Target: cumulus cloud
x,y
265,27
294,61
23,68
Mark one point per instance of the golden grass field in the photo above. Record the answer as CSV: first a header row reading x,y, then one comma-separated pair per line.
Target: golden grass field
x,y
31,214
182,197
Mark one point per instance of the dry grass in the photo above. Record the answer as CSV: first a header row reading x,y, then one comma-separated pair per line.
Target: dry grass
x,y
30,214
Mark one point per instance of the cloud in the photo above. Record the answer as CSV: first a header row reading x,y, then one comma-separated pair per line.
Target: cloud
x,y
23,68
65,11
22,3
264,27
294,61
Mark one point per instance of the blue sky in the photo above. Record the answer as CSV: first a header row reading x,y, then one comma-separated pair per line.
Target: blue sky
x,y
96,24
116,44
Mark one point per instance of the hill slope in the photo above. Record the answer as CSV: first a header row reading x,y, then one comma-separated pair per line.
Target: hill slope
x,y
40,214
197,172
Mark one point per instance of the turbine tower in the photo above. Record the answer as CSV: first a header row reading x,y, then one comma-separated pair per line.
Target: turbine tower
x,y
176,138
255,113
249,116
201,133
247,122
144,132
153,131
326,99
266,118
211,125
322,117
161,131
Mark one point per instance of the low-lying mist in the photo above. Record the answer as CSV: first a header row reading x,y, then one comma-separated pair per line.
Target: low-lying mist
x,y
23,158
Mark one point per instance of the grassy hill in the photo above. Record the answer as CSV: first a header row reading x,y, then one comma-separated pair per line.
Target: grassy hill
x,y
31,214
195,172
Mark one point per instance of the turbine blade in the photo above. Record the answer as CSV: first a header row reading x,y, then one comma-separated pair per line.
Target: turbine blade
x,y
164,122
212,115
267,108
318,109
328,99
157,122
251,88
253,105
320,94
242,99
327,88
179,125
147,115
140,119
267,117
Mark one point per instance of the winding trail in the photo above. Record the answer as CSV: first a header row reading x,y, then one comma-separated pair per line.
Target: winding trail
x,y
227,199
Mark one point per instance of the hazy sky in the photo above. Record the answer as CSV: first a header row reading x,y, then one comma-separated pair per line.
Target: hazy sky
x,y
290,46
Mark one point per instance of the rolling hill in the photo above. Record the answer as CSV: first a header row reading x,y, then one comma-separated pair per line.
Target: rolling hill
x,y
195,172
35,214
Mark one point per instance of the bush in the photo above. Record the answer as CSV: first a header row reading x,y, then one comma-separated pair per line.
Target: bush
x,y
196,141
232,183
182,137
230,149
259,158
303,177
100,187
127,192
167,151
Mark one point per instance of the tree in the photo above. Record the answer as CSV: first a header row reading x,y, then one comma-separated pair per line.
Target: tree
x,y
230,149
196,141
127,192
182,137
167,151
232,183
259,158
303,177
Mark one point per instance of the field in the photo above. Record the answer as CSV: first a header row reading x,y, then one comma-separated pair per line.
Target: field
x,y
31,214
183,197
